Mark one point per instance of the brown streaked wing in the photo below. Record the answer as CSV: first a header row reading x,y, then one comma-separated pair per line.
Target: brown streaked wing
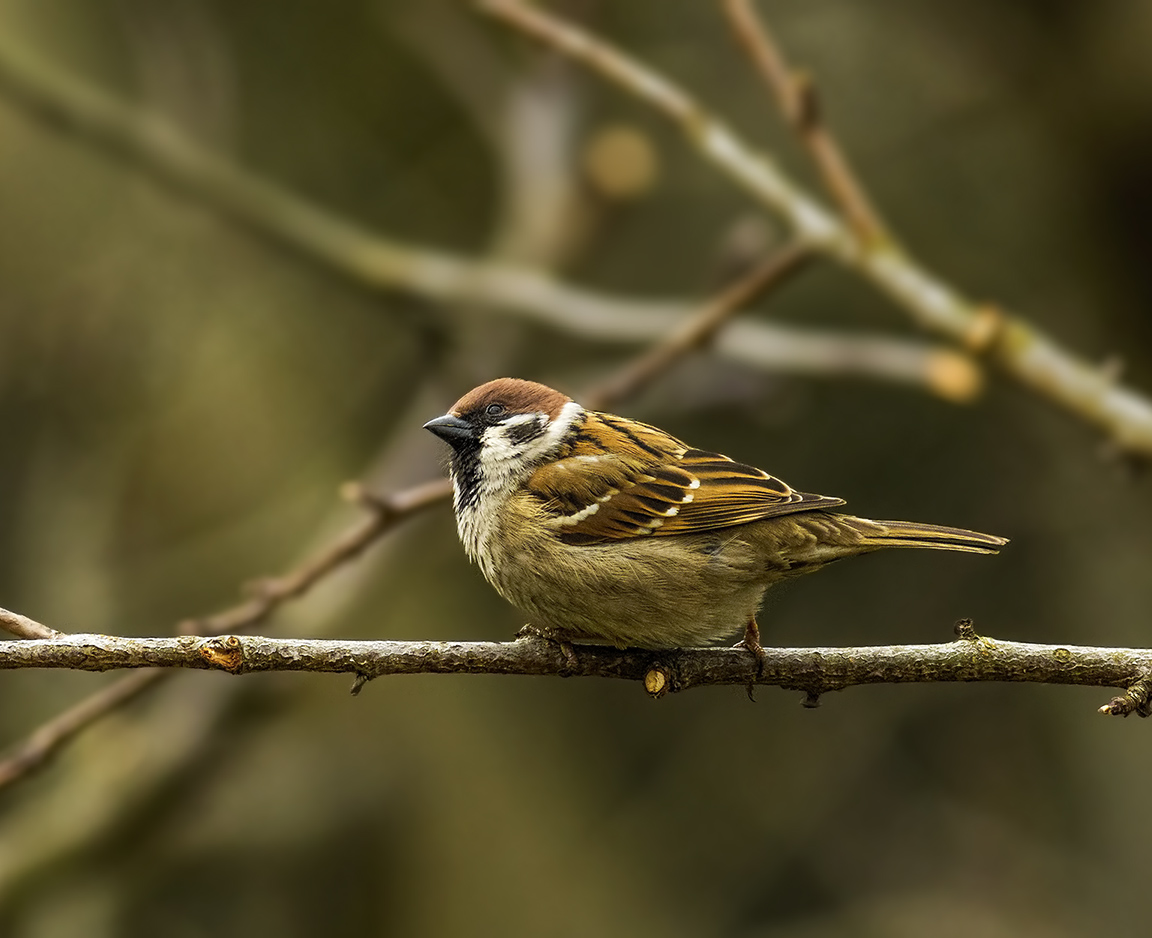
x,y
652,484
605,455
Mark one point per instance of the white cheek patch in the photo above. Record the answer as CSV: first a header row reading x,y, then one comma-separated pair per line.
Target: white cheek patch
x,y
508,455
499,442
562,424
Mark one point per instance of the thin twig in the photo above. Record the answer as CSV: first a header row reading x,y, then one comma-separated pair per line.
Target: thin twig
x,y
50,737
384,513
378,263
23,627
1019,349
812,670
799,102
697,330
811,221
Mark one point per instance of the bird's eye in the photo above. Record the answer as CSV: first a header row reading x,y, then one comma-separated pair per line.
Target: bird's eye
x,y
494,410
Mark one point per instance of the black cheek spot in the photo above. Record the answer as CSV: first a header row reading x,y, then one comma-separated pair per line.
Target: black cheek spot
x,y
522,433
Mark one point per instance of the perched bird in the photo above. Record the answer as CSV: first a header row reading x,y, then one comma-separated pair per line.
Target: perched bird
x,y
604,529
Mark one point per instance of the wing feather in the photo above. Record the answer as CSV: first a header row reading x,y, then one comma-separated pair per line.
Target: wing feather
x,y
619,479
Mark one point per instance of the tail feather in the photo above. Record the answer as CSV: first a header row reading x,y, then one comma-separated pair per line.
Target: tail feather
x,y
935,536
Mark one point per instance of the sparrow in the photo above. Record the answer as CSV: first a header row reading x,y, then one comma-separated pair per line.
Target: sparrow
x,y
603,529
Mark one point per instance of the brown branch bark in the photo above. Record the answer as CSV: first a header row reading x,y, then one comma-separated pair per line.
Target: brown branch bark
x,y
1014,345
812,670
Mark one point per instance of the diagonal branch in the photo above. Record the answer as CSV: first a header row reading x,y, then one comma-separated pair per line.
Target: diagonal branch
x,y
385,512
696,331
1019,349
798,101
23,627
34,751
812,670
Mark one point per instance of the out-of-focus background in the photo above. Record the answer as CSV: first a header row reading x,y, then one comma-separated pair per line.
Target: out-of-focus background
x,y
182,395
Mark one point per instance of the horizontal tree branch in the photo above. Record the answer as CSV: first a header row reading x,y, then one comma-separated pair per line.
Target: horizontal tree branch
x,y
1018,348
812,670
169,156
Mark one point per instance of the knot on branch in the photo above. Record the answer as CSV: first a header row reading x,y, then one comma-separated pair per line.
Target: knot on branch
x,y
665,675
985,330
656,681
802,102
1137,699
226,653
965,631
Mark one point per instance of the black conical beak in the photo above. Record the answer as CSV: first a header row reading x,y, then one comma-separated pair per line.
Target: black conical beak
x,y
451,430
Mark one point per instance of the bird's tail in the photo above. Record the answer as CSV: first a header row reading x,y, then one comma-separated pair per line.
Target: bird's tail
x,y
915,534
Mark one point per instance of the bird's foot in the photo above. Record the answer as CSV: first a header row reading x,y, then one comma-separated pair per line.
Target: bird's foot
x,y
566,650
751,641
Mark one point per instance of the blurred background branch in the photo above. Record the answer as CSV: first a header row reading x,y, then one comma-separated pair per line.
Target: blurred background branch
x,y
157,146
796,95
1019,349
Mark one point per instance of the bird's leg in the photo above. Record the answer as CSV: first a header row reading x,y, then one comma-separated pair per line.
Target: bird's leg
x,y
751,641
566,650
569,654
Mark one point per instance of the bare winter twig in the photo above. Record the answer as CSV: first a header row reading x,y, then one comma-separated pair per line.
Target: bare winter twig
x,y
694,331
796,96
23,627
